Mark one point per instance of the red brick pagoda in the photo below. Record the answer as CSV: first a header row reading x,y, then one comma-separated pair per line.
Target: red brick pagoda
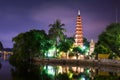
x,y
78,32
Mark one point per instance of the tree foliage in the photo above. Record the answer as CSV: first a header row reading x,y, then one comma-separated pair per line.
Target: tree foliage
x,y
86,42
66,44
56,31
29,44
109,40
83,49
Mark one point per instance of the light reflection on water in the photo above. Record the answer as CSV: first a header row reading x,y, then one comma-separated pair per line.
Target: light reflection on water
x,y
80,73
58,72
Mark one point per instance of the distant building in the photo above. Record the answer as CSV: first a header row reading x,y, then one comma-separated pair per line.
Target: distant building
x,y
92,47
5,53
79,37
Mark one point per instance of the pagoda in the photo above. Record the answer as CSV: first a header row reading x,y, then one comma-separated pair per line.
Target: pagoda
x,y
79,32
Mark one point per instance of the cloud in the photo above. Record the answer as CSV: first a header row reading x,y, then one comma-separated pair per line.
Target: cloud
x,y
51,13
47,16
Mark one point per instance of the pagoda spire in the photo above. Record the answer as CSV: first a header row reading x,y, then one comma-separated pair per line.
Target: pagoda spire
x,y
78,12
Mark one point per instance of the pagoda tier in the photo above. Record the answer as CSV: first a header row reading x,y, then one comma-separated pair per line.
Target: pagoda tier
x,y
78,32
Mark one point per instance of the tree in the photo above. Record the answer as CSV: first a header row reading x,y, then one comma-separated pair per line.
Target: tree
x,y
65,45
86,42
102,49
81,50
29,44
78,50
56,32
109,40
1,46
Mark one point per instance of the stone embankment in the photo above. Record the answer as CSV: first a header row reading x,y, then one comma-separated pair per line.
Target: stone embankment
x,y
74,62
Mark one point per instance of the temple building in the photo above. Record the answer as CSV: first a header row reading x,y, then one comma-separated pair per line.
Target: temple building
x,y
79,38
78,32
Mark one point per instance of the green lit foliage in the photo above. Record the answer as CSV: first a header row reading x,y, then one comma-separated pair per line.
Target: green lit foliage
x,y
81,50
66,44
109,40
29,44
86,46
77,49
86,42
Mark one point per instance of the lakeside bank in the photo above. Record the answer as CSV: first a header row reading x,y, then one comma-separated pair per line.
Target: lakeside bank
x,y
76,62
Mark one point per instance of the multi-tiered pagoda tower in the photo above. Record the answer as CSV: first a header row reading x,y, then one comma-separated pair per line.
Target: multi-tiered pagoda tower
x,y
79,32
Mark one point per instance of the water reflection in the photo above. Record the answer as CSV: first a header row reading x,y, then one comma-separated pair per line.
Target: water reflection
x,y
77,73
30,72
68,73
58,72
26,71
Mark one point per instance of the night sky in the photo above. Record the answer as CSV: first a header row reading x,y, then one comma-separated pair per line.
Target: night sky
x,y
17,16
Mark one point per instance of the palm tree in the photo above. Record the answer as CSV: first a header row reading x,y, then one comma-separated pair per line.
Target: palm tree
x,y
56,32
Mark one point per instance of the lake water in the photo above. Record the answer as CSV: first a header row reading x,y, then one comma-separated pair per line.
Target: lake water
x,y
57,72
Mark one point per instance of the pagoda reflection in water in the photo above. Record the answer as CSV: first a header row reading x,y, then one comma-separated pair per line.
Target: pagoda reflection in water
x,y
77,73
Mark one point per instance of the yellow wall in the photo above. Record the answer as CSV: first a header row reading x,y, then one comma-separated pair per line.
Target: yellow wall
x,y
103,56
106,56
